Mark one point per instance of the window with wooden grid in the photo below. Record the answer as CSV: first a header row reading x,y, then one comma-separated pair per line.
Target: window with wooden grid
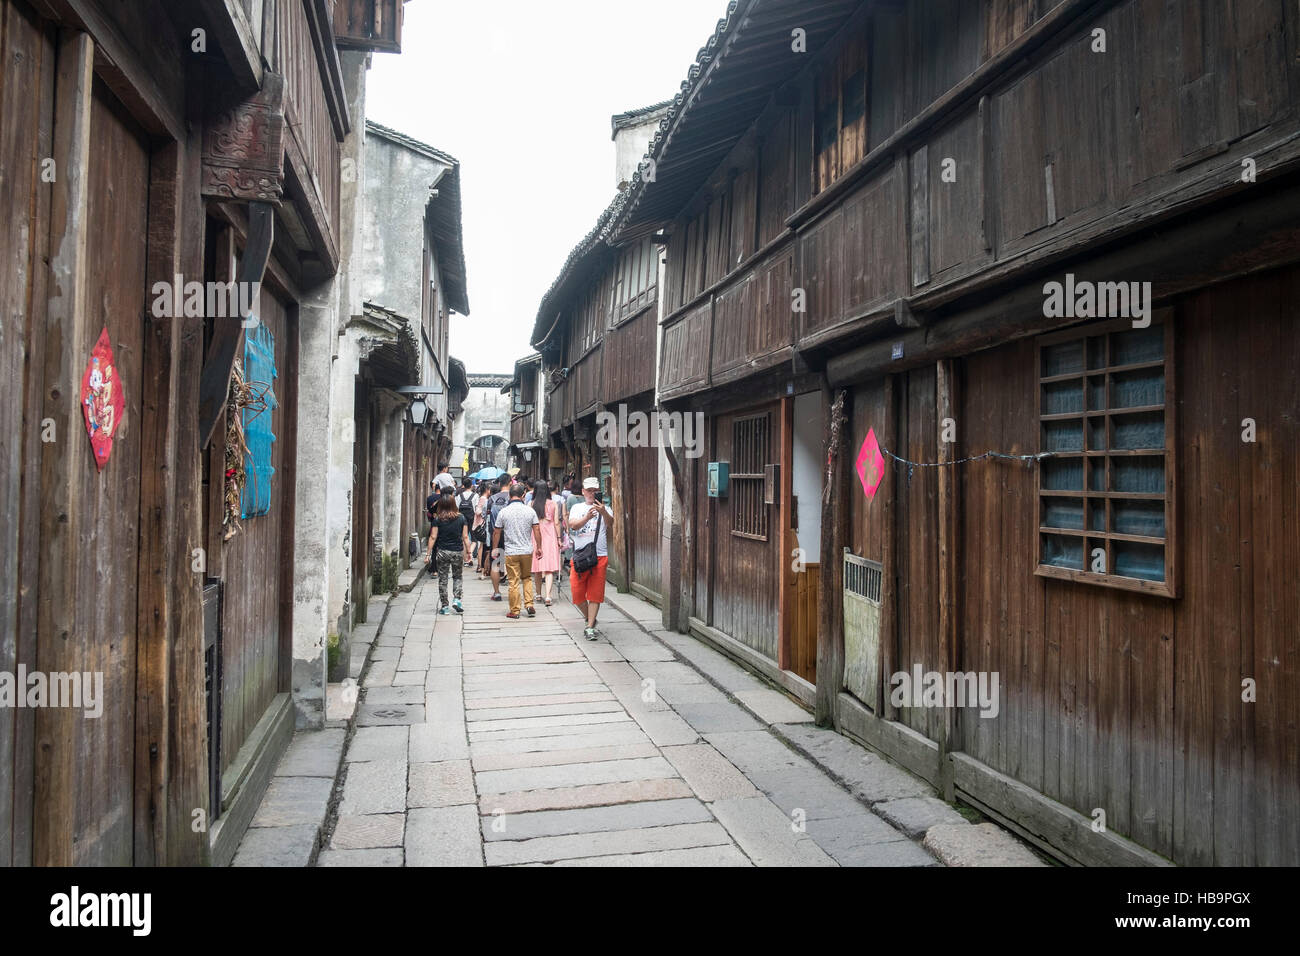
x,y
635,279
751,439
1106,493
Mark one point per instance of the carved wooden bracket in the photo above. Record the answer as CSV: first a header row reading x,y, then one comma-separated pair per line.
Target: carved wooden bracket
x,y
243,149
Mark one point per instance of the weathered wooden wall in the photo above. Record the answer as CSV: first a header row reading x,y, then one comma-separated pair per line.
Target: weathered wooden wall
x,y
1126,702
628,357
971,161
103,576
27,138
251,636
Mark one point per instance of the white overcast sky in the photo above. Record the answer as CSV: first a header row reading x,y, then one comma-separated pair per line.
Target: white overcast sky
x,y
521,92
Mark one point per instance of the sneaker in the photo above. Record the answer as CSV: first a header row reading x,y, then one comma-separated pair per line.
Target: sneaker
x,y
496,597
513,615
444,610
532,611
458,607
589,633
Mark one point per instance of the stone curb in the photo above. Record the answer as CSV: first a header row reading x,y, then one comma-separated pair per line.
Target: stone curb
x,y
330,820
316,833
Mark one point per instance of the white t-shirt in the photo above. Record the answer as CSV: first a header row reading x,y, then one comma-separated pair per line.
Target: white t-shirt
x,y
516,522
582,537
442,480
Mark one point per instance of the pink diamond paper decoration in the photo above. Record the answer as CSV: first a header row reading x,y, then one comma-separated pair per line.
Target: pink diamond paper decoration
x,y
103,403
870,465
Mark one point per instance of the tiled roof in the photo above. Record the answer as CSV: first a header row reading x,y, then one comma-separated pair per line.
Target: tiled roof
x,y
748,58
387,132
636,117
488,379
546,316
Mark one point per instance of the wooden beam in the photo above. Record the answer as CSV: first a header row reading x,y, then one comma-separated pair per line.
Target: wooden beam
x,y
158,565
784,570
686,490
215,382
301,188
67,341
830,629
234,35
151,89
887,654
1247,237
23,628
949,503
187,748
1062,831
904,317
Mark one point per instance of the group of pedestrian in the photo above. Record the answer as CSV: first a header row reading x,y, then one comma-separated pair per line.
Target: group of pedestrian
x,y
530,532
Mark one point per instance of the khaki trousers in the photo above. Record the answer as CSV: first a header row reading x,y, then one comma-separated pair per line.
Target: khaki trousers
x,y
519,570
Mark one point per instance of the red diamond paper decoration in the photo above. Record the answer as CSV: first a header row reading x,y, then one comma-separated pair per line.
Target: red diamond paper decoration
x,y
870,465
103,403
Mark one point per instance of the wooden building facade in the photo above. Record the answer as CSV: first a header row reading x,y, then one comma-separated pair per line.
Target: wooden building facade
x,y
529,443
596,332
1093,501
413,279
132,177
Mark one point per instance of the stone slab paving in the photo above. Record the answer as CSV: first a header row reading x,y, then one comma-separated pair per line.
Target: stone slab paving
x,y
485,741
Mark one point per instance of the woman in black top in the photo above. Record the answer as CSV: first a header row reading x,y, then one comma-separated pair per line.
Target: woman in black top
x,y
449,548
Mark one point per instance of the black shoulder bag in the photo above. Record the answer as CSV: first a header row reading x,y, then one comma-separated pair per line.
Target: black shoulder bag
x,y
585,558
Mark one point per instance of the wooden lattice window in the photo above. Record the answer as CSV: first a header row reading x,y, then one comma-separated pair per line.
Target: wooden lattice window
x,y
635,279
751,441
1106,493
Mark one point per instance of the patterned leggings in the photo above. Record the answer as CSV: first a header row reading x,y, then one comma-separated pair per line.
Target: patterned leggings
x,y
450,563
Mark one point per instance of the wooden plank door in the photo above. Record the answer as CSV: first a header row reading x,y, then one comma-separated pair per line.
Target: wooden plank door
x,y
84,769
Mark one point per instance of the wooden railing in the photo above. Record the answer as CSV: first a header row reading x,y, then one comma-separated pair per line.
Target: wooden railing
x,y
523,427
307,116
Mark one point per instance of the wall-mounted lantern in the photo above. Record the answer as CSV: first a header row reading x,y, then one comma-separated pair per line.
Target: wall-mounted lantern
x,y
417,413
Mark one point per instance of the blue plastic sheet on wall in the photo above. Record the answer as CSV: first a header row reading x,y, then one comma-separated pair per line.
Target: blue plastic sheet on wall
x,y
259,368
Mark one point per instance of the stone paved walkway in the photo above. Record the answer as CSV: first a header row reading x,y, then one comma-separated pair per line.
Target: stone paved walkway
x,y
482,740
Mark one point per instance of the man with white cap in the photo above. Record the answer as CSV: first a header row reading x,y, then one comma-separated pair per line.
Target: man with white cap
x,y
588,522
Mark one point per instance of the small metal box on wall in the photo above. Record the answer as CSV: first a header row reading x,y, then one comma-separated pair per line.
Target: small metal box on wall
x,y
771,484
719,471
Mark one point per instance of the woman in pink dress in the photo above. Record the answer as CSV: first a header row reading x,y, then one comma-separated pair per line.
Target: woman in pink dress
x,y
546,562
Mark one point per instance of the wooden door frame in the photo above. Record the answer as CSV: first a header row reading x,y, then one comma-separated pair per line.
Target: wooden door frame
x,y
784,573
288,400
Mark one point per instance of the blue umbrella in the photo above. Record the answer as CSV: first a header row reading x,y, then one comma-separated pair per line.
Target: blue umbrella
x,y
488,473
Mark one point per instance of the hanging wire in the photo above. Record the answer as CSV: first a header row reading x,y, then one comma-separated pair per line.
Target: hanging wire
x,y
961,461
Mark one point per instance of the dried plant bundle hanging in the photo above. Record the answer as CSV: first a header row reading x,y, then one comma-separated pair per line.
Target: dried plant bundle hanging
x,y
243,396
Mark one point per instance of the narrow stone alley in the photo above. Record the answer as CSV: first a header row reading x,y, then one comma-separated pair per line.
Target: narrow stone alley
x,y
479,740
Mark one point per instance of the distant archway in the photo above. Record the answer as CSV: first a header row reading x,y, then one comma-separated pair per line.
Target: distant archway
x,y
488,450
